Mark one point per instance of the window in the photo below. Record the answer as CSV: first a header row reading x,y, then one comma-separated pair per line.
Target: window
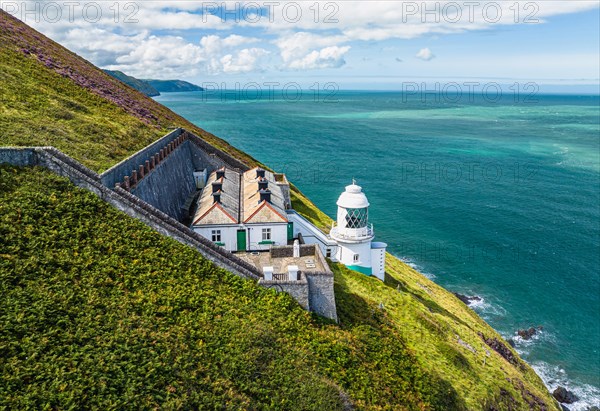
x,y
216,236
328,253
266,234
357,217
356,258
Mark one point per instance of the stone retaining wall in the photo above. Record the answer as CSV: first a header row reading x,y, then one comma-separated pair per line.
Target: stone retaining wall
x,y
161,174
116,173
297,289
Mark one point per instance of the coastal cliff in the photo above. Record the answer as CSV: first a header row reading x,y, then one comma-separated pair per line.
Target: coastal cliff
x,y
100,311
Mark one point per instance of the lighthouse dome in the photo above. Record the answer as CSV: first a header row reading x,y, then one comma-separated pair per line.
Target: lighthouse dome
x,y
353,197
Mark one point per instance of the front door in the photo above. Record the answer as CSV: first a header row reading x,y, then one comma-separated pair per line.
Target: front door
x,y
241,240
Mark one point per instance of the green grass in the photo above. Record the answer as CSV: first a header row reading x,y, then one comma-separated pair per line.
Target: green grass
x,y
51,110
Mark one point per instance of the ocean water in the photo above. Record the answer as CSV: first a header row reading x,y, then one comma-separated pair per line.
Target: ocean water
x,y
495,199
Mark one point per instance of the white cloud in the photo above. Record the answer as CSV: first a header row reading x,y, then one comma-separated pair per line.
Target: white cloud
x,y
425,54
169,56
305,50
247,60
328,57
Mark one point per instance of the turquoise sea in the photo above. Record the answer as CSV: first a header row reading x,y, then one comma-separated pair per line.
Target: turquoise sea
x,y
495,199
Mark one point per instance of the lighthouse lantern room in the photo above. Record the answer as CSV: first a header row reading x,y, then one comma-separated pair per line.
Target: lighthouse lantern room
x,y
354,234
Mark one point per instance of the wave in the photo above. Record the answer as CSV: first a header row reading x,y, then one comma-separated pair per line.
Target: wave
x,y
522,345
486,309
553,376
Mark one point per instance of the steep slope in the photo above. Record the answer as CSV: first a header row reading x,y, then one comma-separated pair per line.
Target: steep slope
x,y
140,85
180,317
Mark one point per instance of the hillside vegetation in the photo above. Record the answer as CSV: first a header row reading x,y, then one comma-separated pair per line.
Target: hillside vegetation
x,y
98,311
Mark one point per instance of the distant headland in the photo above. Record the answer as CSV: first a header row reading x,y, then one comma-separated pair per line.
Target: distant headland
x,y
153,88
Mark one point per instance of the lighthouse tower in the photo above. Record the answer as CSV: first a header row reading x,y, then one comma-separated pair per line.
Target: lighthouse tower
x,y
354,234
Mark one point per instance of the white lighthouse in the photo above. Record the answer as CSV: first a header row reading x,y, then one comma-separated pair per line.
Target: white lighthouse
x,y
354,234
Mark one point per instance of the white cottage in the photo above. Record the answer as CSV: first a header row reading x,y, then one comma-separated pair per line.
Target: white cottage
x,y
244,211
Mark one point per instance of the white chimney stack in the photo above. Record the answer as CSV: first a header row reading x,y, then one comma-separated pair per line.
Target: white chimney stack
x,y
268,273
293,272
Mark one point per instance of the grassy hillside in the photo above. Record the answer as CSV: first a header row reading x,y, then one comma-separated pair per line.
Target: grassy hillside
x,y
98,310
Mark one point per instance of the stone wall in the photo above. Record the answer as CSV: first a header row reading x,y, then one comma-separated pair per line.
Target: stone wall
x,y
221,157
21,157
161,174
297,289
321,294
285,251
168,185
319,284
116,173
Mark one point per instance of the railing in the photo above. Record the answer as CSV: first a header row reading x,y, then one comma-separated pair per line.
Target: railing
x,y
345,233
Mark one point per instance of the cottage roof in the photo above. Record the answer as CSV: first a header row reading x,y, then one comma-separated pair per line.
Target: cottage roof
x,y
255,210
240,199
226,211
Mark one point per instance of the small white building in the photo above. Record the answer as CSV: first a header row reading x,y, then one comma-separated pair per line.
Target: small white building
x,y
354,234
244,211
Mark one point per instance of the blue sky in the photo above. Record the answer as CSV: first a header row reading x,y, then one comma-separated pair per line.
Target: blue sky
x,y
364,44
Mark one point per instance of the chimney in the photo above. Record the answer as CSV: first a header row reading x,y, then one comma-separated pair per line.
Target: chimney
x,y
265,195
263,183
268,273
220,173
293,272
217,186
260,173
216,196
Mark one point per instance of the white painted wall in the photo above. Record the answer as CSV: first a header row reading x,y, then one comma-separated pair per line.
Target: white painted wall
x,y
346,253
228,234
278,235
378,260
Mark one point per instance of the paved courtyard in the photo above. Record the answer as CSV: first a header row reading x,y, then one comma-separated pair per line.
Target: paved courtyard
x,y
280,265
